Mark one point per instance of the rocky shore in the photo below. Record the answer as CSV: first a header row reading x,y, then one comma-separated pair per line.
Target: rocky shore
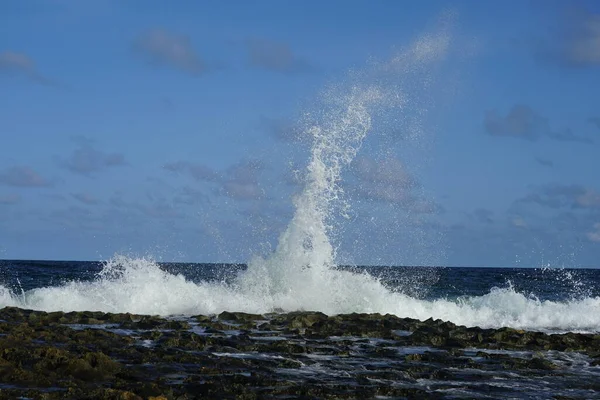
x,y
308,355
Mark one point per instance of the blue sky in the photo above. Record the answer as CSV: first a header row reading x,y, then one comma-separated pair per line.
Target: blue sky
x,y
143,128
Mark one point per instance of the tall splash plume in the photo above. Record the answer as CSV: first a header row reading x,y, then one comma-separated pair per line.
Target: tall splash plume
x,y
299,274
305,255
305,243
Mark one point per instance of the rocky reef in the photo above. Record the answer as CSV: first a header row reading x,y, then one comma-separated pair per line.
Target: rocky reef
x,y
308,355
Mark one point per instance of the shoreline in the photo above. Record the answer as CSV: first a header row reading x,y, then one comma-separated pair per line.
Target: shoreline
x,y
99,355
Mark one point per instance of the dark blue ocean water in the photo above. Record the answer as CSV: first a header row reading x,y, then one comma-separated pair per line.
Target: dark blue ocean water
x,y
556,284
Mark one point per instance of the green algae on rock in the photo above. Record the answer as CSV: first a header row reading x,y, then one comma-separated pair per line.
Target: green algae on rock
x,y
96,355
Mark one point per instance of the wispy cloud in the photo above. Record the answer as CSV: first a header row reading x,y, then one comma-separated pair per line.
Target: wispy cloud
x,y
576,42
283,129
275,56
240,181
22,176
387,180
583,47
160,208
567,135
518,222
523,122
76,217
155,206
161,47
594,234
388,171
558,196
545,162
20,64
167,104
595,121
588,199
190,196
87,160
85,198
520,122
10,199
483,215
199,172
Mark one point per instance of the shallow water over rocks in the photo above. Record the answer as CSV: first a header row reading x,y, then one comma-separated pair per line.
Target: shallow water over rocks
x,y
306,355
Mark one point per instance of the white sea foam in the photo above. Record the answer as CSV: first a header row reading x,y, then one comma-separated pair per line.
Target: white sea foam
x,y
299,275
141,286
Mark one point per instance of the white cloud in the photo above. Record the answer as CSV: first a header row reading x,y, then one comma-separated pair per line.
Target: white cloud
x,y
274,56
594,235
239,181
523,122
575,42
387,180
199,172
85,198
87,160
519,222
20,64
583,48
22,176
588,199
563,196
162,47
10,199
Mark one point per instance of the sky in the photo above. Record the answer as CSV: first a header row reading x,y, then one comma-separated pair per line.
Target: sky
x,y
177,131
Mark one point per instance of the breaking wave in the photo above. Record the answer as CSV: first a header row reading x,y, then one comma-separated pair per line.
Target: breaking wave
x,y
141,286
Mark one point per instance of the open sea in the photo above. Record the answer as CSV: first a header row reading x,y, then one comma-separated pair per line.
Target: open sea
x,y
544,299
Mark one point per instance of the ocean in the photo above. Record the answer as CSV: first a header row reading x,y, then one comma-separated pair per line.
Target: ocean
x,y
544,299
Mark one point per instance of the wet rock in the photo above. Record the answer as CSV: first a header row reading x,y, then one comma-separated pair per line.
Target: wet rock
x,y
294,355
283,346
203,319
120,395
465,336
299,320
414,357
517,363
541,363
240,316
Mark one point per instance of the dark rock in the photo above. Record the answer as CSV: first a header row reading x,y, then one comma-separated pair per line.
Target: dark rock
x,y
299,320
43,356
240,316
